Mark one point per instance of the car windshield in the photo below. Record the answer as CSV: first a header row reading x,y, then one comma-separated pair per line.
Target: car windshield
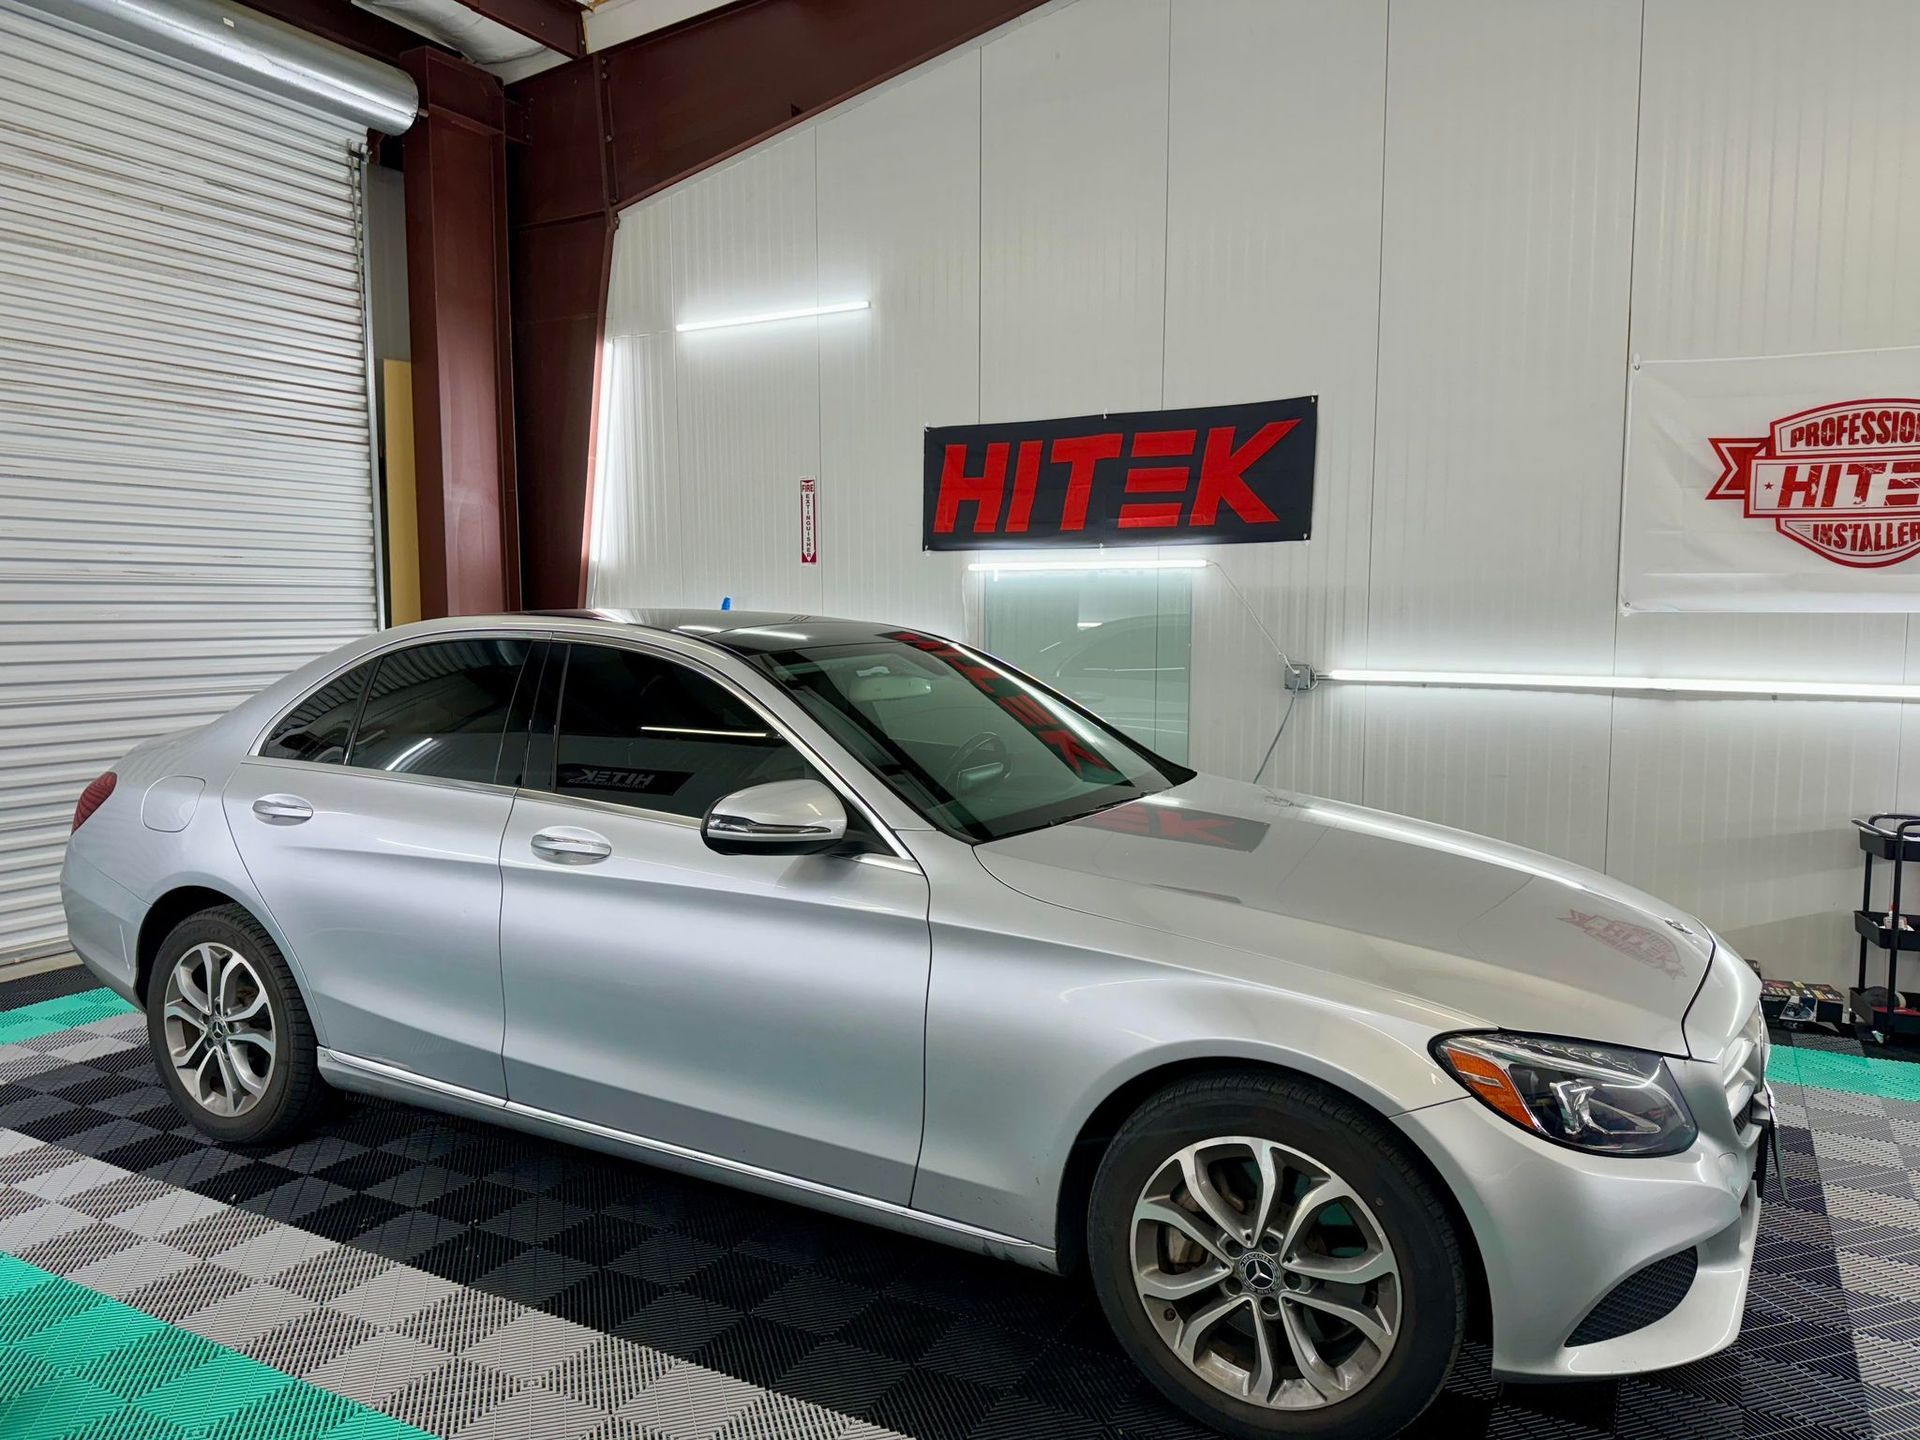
x,y
978,748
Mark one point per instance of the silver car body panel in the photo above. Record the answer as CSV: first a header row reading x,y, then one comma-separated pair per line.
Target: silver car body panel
x,y
919,1036
768,1008
392,892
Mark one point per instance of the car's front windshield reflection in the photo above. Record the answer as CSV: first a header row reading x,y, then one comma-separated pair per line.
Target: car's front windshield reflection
x,y
980,749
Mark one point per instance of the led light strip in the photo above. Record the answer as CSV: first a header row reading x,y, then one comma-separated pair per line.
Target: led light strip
x,y
1116,562
1626,684
843,308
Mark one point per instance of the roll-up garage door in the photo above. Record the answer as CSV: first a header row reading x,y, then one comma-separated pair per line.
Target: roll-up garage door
x,y
185,472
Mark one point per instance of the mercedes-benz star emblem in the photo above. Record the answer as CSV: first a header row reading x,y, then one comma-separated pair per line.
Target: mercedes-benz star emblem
x,y
1257,1270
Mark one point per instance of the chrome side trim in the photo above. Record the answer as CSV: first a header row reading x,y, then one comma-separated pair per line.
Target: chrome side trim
x,y
388,777
889,862
384,1071
803,1191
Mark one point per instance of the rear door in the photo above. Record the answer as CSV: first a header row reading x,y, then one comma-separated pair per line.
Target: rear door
x,y
370,823
767,1009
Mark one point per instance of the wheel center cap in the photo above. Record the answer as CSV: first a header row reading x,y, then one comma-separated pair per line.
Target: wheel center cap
x,y
1258,1272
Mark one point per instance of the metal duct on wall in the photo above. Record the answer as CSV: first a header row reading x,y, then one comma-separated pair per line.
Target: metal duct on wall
x,y
483,41
239,44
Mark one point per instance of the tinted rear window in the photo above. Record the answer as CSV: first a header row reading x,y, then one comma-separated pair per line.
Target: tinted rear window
x,y
439,709
320,726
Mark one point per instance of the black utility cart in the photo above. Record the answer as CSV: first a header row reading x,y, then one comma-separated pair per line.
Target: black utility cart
x,y
1896,839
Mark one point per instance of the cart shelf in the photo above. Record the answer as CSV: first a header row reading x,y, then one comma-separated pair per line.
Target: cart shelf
x,y
1873,927
1904,1023
1885,838
1894,838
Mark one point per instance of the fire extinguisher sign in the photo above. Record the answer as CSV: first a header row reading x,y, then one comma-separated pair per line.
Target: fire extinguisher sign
x,y
809,520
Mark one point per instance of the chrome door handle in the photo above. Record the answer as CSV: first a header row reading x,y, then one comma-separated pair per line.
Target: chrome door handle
x,y
282,809
567,845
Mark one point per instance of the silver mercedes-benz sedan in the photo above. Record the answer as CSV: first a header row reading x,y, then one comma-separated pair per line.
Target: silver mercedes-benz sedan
x,y
864,918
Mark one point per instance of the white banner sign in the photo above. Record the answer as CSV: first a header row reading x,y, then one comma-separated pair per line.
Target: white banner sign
x,y
1784,483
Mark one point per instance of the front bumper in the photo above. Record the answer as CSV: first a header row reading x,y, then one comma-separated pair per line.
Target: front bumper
x,y
1559,1229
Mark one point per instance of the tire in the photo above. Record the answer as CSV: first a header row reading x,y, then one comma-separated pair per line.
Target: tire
x,y
1391,1216
291,1094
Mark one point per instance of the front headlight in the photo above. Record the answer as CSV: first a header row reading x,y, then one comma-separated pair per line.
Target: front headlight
x,y
1603,1098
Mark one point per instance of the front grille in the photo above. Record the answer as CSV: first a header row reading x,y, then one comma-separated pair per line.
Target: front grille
x,y
1637,1301
1743,1070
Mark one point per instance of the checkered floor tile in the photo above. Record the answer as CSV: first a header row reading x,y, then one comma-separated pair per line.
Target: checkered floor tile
x,y
472,1282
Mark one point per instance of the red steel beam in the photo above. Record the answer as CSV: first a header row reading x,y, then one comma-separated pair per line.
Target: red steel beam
x,y
626,122
455,161
344,23
556,24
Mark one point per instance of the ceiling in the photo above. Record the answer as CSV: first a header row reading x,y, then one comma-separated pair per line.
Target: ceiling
x,y
478,29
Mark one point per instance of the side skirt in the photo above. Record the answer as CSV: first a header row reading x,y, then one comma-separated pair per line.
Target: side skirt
x,y
374,1077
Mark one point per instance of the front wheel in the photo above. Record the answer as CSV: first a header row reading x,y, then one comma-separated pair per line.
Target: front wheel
x,y
1271,1258
231,1036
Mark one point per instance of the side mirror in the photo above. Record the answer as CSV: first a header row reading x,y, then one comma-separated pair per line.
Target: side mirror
x,y
787,817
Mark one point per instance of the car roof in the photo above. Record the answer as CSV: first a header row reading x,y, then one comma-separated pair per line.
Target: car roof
x,y
742,631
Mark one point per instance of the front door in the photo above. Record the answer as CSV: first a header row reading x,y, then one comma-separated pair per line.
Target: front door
x,y
370,824
766,1009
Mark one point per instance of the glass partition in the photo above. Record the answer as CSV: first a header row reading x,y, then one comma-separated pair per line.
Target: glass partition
x,y
1118,641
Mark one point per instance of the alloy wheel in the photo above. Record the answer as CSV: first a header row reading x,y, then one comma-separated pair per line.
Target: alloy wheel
x,y
1265,1273
219,1029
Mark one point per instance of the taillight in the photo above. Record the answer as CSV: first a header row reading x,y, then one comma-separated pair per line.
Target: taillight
x,y
93,797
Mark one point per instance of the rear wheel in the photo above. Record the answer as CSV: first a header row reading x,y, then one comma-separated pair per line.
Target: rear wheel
x,y
1273,1260
231,1036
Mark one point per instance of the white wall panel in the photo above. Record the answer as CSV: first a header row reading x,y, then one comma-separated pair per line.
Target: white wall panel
x,y
637,497
1073,211
744,241
1454,221
1768,217
1273,225
1503,279
1504,273
1530,767
900,225
1737,810
708,433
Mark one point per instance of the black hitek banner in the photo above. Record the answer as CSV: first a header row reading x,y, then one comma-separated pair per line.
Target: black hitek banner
x,y
1224,474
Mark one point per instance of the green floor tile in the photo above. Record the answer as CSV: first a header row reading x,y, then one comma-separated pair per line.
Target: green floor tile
x,y
34,1308
130,1424
211,1392
55,1410
81,1339
1851,1074
151,1361
77,1365
49,1017
21,1373
17,1275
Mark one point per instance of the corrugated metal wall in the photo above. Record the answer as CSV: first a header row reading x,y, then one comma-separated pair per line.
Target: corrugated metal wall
x,y
185,501
1454,220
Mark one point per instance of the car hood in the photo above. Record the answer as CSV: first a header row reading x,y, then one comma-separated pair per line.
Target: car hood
x,y
1494,933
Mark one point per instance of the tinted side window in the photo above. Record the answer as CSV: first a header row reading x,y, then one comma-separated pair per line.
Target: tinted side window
x,y
647,732
439,709
319,727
